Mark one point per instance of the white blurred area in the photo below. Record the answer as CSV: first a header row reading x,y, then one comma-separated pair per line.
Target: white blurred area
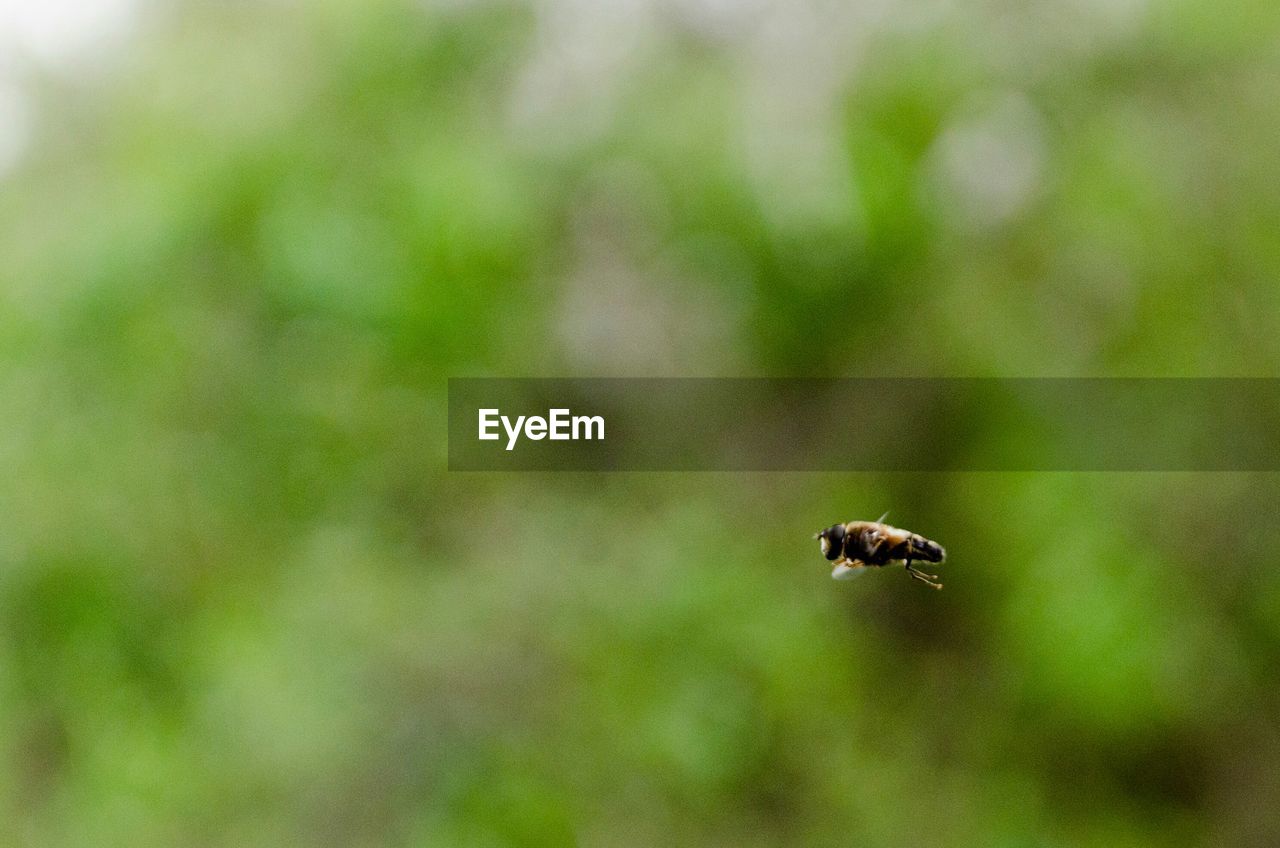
x,y
989,165
65,35
67,39
15,125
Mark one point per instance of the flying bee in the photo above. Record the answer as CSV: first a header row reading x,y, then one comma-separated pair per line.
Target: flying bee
x,y
858,545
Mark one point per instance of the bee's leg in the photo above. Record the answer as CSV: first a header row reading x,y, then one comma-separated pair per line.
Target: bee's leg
x,y
918,574
918,571
928,579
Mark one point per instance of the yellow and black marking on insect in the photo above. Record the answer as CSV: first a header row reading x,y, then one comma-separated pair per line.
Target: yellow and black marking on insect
x,y
858,545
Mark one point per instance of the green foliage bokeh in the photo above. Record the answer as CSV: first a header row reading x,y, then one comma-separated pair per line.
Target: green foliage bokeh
x,y
242,602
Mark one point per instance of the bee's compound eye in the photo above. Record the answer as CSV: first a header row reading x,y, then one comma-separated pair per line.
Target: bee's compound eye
x,y
833,541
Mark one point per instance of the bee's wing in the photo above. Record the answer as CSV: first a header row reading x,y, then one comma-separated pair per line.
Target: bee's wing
x,y
848,572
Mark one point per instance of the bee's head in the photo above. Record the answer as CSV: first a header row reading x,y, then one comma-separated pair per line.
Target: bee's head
x,y
831,541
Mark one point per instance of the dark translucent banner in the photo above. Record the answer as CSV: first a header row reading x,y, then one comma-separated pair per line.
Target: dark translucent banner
x,y
874,424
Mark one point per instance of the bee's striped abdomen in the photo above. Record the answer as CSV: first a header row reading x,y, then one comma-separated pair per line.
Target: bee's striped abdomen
x,y
922,548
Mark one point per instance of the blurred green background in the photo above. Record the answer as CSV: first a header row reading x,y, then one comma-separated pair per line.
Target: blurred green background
x,y
243,245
